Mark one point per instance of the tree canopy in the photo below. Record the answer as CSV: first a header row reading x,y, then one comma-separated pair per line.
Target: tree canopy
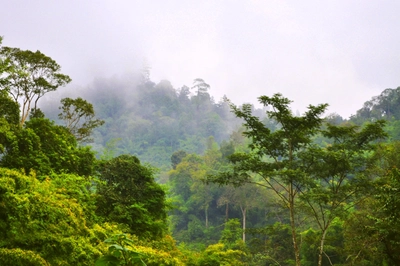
x,y
27,76
129,195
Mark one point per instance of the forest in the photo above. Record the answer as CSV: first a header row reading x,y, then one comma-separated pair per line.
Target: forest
x,y
128,171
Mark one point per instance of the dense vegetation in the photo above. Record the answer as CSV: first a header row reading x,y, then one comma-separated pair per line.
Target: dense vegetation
x,y
221,184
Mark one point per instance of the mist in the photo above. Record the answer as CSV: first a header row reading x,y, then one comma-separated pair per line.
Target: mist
x,y
341,53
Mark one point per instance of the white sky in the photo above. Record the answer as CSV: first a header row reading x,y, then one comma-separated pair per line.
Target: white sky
x,y
340,52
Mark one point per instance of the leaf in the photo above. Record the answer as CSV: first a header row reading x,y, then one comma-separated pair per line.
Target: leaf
x,y
107,260
116,250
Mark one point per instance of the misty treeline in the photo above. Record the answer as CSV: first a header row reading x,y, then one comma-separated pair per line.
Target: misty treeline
x,y
132,172
152,120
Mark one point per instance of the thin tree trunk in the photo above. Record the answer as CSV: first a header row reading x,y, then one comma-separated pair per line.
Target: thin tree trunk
x,y
293,226
291,196
227,212
321,247
206,213
244,223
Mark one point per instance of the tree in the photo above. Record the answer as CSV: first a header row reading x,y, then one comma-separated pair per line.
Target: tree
x,y
176,158
9,118
245,198
9,110
4,62
181,182
28,76
200,87
230,236
372,231
79,118
45,147
289,163
248,197
129,195
338,174
274,155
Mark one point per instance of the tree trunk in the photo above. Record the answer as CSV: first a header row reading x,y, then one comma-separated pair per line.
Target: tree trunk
x,y
293,226
25,112
321,246
227,212
206,213
291,196
244,223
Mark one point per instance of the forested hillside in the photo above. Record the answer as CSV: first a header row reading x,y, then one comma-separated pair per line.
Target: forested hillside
x,y
385,106
134,172
153,120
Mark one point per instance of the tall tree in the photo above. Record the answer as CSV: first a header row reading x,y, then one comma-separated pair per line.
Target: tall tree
x,y
245,198
274,155
200,86
290,164
338,174
372,231
79,117
28,76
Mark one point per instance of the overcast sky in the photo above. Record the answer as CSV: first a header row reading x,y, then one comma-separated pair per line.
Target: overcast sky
x,y
336,52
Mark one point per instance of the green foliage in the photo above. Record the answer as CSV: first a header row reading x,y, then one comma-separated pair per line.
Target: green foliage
x,y
218,254
28,76
338,174
120,252
195,216
44,147
9,109
386,219
282,171
326,179
45,218
177,157
7,135
231,233
333,250
19,257
161,252
272,245
79,117
336,189
155,120
129,195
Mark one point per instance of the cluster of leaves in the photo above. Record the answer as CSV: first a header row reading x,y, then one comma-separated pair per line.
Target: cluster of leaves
x,y
120,253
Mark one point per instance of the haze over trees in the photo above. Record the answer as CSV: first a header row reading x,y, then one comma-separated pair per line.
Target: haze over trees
x,y
136,172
